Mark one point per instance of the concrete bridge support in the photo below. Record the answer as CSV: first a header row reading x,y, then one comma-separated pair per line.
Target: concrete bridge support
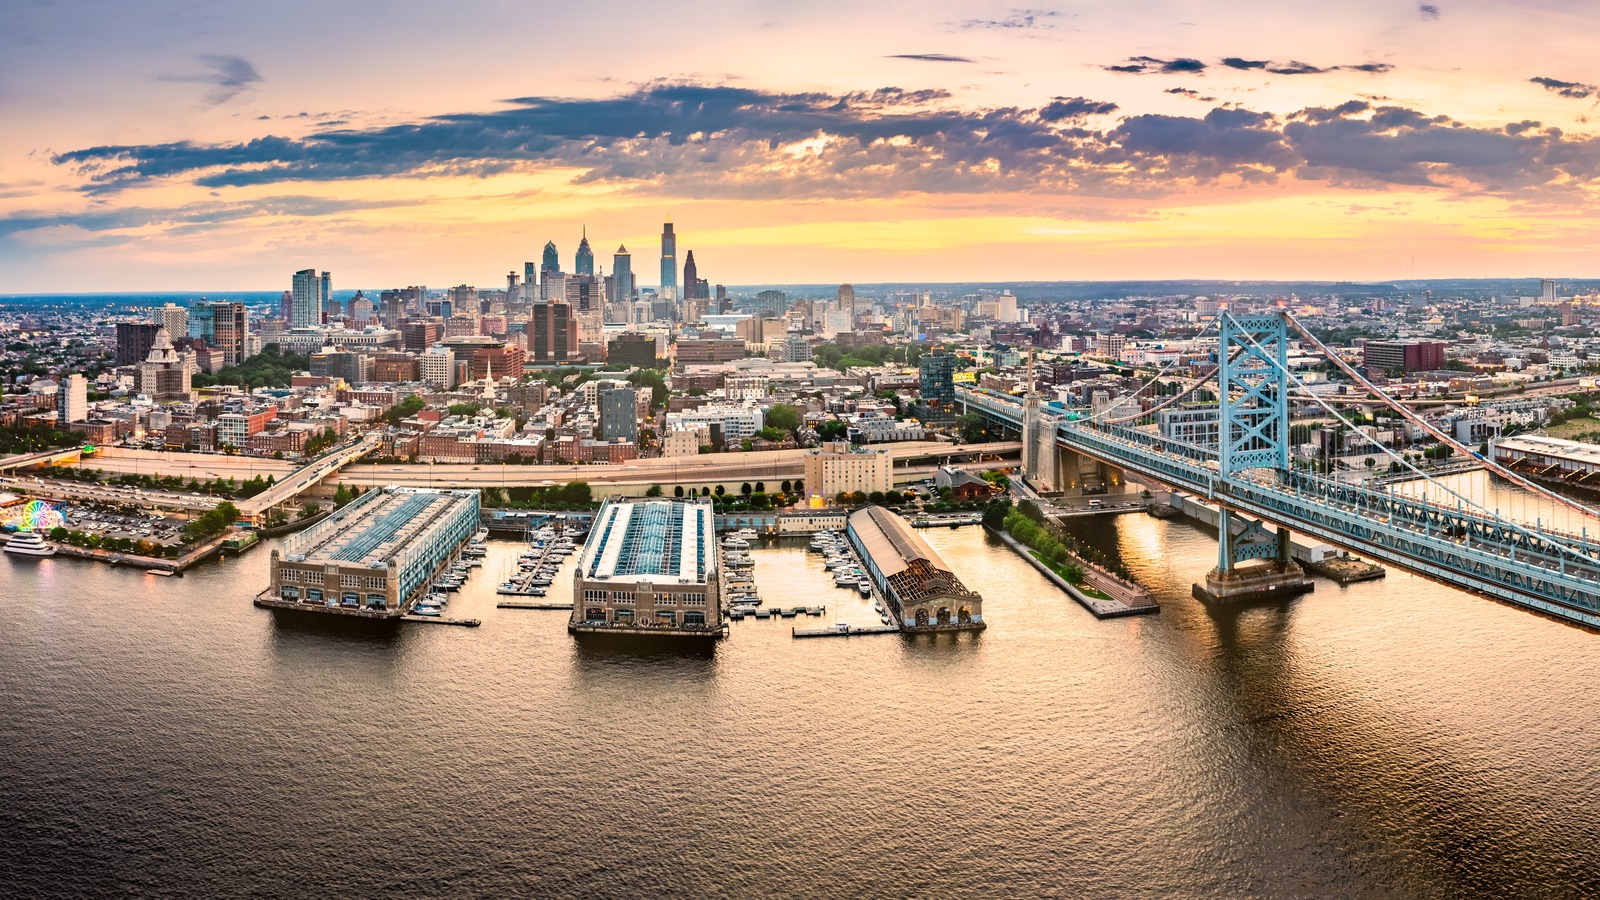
x,y
1253,565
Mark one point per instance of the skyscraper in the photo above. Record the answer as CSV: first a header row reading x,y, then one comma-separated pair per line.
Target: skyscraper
x,y
327,303
669,260
622,275
230,329
134,340
847,301
552,259
175,319
937,376
584,263
691,275
305,309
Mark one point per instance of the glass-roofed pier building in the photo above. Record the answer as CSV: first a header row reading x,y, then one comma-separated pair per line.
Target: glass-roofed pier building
x,y
649,567
375,557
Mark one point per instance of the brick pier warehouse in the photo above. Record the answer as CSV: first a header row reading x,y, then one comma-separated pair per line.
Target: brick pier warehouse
x,y
918,587
375,557
649,568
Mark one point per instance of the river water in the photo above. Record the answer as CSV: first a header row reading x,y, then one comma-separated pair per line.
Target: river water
x,y
1397,738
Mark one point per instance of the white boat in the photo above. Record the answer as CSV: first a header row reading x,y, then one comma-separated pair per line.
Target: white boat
x,y
432,611
747,535
844,579
29,543
866,588
734,542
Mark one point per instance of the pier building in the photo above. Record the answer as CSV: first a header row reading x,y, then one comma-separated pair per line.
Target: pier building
x,y
376,556
921,591
649,567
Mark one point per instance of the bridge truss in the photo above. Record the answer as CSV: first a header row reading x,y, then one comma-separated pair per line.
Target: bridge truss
x,y
1441,534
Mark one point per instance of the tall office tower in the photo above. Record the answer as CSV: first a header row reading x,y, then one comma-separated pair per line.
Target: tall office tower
x,y
230,330
327,294
360,310
622,275
724,305
691,276
551,335
134,340
552,259
530,273
306,306
583,263
847,301
391,309
669,259
285,309
176,319
438,367
587,297
72,400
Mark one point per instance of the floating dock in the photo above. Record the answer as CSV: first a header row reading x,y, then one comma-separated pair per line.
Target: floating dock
x,y
513,604
1346,570
843,631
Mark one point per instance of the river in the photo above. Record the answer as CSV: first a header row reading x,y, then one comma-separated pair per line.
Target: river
x,y
1395,738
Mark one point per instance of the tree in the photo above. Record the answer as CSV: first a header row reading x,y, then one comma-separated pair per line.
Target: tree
x,y
761,487
784,417
833,430
745,489
786,486
655,491
677,491
720,491
342,496
972,427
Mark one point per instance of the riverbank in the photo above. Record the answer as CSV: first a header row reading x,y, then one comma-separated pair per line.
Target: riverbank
x,y
1118,598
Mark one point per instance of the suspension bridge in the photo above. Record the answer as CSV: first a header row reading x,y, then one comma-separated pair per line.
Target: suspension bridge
x,y
1248,472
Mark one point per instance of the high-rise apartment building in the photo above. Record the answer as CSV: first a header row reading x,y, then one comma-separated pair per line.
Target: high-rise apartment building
x,y
438,366
936,374
419,335
174,318
583,263
230,327
619,415
327,304
669,259
305,308
622,275
72,399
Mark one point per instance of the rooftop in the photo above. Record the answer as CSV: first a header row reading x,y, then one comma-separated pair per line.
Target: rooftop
x,y
666,541
373,529
1576,451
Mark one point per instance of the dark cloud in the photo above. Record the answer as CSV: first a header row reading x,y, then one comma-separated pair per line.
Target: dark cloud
x,y
703,141
229,77
1191,94
1017,19
193,214
1063,109
932,57
1576,90
1146,65
1428,11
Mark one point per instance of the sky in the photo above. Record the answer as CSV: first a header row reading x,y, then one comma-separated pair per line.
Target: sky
x,y
182,144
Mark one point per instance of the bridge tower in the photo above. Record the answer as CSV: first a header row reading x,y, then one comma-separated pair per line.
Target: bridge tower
x,y
1253,433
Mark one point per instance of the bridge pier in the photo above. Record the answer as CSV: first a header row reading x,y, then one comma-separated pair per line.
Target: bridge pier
x,y
1269,575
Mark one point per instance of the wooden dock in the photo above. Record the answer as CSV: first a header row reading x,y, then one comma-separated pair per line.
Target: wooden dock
x,y
513,604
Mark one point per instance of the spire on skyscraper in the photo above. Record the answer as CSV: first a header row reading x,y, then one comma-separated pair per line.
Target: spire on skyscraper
x,y
583,264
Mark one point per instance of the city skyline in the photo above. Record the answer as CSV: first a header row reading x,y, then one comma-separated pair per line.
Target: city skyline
x,y
1381,140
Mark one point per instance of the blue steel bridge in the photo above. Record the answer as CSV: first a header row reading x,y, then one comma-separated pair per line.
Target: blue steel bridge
x,y
1248,472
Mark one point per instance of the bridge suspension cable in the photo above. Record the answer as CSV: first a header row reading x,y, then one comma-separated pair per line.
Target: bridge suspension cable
x,y
1123,420
1437,433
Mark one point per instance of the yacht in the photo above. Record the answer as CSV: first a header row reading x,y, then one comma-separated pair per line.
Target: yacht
x,y
866,587
734,542
29,543
747,535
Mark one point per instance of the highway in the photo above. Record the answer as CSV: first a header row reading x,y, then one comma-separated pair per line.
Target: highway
x,y
78,492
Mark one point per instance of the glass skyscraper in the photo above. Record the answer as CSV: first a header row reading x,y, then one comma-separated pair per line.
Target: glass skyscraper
x,y
669,258
584,263
937,371
622,275
552,259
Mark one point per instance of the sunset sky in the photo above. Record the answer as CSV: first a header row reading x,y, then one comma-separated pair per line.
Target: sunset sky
x,y
192,145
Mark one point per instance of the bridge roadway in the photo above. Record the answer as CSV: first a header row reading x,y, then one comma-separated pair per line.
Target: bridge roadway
x,y
709,468
1556,574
